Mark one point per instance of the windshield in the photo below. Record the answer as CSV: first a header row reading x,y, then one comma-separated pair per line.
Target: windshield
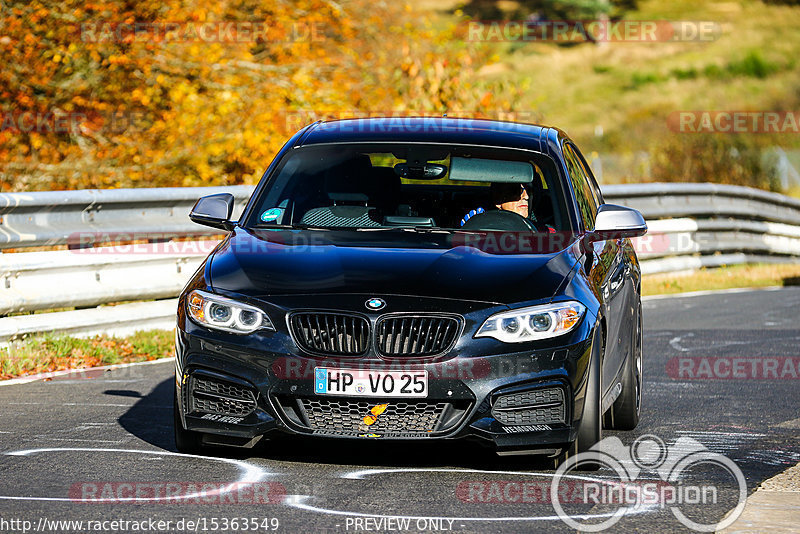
x,y
385,186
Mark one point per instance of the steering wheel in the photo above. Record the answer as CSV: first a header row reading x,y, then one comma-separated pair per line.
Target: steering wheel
x,y
500,220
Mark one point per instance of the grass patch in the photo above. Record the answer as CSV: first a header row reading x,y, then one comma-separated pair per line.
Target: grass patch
x,y
734,276
684,74
58,352
753,65
628,90
641,78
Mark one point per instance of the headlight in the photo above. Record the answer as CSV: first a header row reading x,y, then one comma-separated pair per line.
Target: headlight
x,y
225,314
531,324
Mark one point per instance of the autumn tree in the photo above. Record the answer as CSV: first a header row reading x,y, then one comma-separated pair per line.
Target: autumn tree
x,y
124,93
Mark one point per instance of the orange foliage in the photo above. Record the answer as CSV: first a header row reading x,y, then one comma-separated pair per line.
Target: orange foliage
x,y
117,108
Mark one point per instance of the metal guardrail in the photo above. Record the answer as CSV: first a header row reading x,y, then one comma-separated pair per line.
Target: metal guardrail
x,y
709,225
690,226
87,277
686,238
121,320
672,200
84,217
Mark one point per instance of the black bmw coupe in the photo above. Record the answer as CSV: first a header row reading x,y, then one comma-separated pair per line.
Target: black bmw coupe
x,y
415,279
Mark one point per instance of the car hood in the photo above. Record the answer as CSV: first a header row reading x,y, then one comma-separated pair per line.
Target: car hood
x,y
435,265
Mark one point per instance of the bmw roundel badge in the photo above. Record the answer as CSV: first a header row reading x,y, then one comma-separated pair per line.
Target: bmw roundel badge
x,y
375,304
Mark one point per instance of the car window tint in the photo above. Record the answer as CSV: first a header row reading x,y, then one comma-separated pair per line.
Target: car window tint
x,y
587,172
357,186
587,203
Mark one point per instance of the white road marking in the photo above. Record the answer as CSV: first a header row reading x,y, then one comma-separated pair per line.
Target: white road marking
x,y
250,474
357,475
89,426
675,342
712,292
75,404
86,440
64,381
722,442
718,433
299,501
777,458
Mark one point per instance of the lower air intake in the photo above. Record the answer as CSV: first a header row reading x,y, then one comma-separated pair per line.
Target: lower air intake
x,y
347,417
537,407
216,396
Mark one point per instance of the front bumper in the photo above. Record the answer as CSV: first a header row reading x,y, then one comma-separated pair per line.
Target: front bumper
x,y
228,387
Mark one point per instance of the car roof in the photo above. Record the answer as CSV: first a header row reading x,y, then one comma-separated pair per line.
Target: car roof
x,y
431,130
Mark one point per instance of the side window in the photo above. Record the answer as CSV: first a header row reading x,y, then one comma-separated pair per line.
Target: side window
x,y
587,203
587,172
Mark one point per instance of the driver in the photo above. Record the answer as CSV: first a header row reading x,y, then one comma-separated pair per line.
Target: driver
x,y
505,196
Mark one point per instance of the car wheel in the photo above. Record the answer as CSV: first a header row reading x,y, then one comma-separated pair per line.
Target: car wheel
x,y
186,441
624,413
590,429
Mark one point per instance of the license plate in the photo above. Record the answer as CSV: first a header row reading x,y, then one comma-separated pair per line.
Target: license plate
x,y
356,382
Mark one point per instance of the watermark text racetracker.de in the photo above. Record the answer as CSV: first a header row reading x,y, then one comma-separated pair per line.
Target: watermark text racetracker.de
x,y
248,31
400,120
174,492
596,31
734,122
87,123
733,368
272,241
148,524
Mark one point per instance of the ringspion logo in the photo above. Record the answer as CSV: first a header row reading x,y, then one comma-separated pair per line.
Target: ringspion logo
x,y
630,468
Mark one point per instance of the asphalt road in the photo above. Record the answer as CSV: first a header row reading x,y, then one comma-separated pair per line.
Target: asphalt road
x,y
110,435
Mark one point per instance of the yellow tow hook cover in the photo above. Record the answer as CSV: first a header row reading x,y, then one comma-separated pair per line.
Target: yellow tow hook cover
x,y
374,413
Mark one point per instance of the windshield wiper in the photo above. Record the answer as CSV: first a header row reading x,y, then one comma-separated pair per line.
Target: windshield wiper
x,y
430,229
296,226
418,229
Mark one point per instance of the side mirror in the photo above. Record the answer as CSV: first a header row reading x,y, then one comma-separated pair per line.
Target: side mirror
x,y
617,222
214,211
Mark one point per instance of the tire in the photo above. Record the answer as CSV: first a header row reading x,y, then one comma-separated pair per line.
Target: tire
x,y
624,413
186,441
590,429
